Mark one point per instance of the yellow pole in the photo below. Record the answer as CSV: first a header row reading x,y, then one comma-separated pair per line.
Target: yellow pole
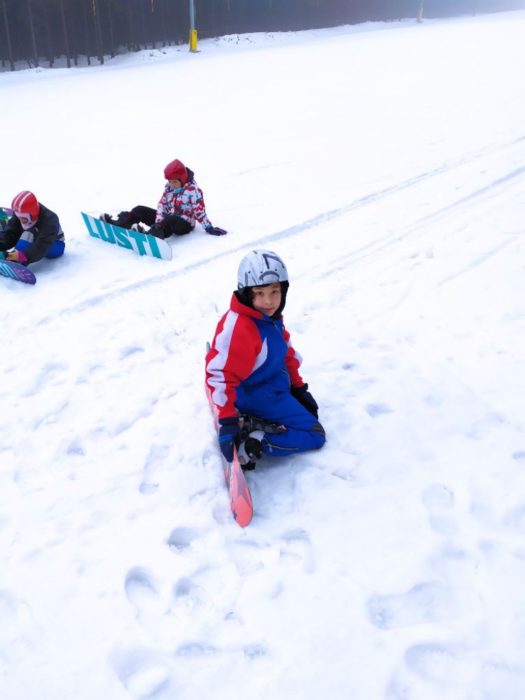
x,y
193,28
193,40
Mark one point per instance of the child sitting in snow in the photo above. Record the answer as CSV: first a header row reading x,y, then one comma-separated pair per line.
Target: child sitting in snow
x,y
34,232
253,370
180,208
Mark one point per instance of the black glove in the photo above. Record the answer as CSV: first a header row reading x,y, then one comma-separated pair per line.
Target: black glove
x,y
304,397
228,433
215,230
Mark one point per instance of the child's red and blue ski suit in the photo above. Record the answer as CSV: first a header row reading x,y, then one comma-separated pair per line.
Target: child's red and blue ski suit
x,y
250,369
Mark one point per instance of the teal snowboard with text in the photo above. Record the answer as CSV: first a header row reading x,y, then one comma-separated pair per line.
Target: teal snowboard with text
x,y
139,243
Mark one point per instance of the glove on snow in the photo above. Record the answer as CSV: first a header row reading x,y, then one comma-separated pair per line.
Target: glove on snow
x,y
229,431
304,397
215,230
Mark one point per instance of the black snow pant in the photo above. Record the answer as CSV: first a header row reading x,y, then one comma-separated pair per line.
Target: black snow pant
x,y
173,225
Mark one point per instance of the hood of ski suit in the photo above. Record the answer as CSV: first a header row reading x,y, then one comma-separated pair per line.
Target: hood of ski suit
x,y
251,352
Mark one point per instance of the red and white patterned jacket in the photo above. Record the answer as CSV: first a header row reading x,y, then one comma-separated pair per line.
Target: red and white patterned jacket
x,y
188,203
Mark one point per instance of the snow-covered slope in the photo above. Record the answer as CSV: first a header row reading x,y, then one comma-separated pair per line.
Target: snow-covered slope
x,y
385,163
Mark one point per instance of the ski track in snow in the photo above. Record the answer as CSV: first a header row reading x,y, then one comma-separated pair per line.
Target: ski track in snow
x,y
371,248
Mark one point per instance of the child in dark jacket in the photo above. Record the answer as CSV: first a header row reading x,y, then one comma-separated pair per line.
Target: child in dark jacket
x,y
252,370
179,209
33,232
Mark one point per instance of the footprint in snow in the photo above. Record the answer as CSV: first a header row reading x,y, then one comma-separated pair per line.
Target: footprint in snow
x,y
439,501
378,409
184,587
440,664
144,673
187,592
298,548
181,538
141,590
514,519
426,602
75,449
156,456
250,556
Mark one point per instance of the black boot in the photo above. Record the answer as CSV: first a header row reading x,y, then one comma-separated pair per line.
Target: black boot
x,y
124,220
250,450
158,232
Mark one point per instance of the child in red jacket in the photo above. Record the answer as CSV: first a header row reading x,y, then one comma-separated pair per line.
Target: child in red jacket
x,y
252,370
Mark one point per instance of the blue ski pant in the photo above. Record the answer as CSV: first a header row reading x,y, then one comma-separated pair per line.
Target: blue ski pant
x,y
56,250
304,432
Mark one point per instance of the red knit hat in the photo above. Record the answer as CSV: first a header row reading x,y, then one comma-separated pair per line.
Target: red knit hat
x,y
176,171
25,204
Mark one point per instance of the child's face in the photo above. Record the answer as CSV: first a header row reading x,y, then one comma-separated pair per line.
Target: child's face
x,y
267,299
175,184
25,221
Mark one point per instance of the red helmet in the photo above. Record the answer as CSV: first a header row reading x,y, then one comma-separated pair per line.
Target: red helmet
x,y
26,205
176,171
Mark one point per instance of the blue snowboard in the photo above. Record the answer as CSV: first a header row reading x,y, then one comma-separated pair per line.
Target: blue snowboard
x,y
16,272
140,243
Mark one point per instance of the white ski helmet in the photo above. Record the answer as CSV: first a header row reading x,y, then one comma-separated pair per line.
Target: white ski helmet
x,y
261,267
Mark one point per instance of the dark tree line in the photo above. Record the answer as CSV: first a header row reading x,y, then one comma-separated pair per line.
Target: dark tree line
x,y
37,31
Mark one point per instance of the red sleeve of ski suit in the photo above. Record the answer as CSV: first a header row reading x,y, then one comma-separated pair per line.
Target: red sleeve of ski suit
x,y
293,362
236,352
231,359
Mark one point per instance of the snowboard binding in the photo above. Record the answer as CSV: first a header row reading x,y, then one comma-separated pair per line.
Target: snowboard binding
x,y
250,449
